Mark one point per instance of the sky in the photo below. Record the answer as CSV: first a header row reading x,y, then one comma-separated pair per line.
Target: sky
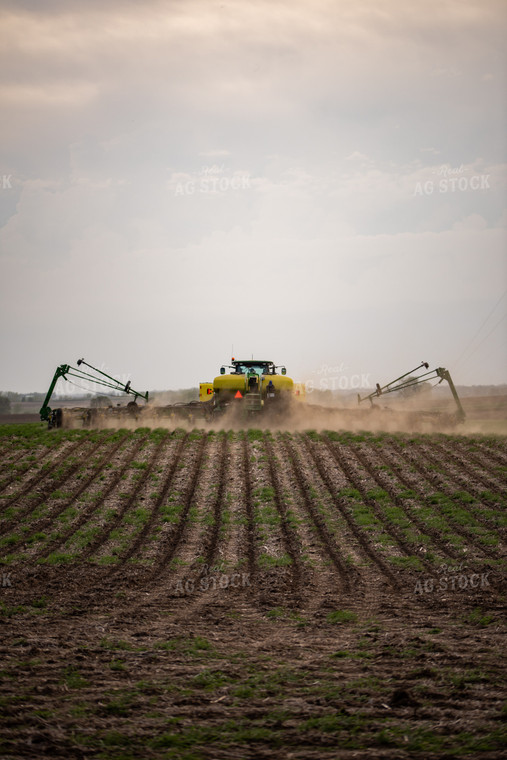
x,y
321,184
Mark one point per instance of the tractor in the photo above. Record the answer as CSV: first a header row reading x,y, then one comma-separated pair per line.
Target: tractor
x,y
252,385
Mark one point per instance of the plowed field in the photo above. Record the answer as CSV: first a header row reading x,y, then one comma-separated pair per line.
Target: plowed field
x,y
251,594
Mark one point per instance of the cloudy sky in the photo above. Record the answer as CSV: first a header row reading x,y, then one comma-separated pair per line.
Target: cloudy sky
x,y
321,183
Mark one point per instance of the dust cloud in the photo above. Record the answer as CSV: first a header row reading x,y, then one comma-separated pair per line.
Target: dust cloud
x,y
402,416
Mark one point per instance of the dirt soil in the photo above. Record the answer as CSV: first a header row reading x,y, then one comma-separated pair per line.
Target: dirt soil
x,y
252,595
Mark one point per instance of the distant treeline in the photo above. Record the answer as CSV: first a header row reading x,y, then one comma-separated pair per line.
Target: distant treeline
x,y
16,400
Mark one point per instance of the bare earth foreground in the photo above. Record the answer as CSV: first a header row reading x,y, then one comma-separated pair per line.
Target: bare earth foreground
x,y
248,594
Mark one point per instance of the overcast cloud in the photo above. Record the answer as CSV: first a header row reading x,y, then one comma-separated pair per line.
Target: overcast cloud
x,y
319,183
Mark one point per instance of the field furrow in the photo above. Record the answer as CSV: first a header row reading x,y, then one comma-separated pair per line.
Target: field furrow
x,y
491,451
327,476
215,506
168,541
443,502
374,498
211,563
145,518
52,485
44,473
15,464
83,528
291,539
318,522
47,521
469,470
390,476
250,537
138,479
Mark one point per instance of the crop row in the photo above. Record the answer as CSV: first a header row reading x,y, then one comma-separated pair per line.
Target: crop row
x,y
164,507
